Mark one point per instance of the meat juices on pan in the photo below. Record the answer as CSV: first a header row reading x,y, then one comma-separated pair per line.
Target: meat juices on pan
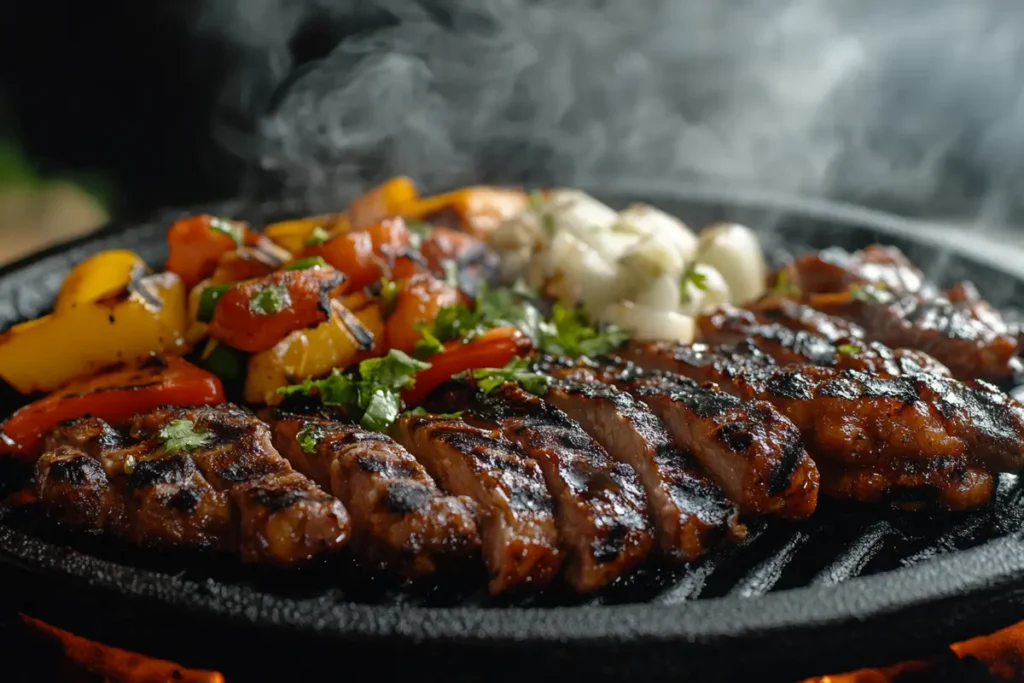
x,y
691,514
233,491
516,512
748,448
600,506
401,520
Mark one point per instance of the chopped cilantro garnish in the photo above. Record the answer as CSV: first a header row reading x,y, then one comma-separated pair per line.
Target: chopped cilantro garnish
x,y
182,436
569,333
308,262
427,345
691,276
420,410
270,299
451,273
418,231
374,399
516,371
317,236
783,287
229,228
875,294
388,295
308,437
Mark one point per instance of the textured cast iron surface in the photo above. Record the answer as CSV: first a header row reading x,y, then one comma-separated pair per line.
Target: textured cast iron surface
x,y
846,589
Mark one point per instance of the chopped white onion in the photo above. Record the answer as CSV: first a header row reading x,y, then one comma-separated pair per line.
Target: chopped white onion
x,y
673,234
733,250
648,324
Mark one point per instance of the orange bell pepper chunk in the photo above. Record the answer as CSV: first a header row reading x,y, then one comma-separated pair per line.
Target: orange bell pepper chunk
x,y
114,395
195,245
364,256
419,300
381,202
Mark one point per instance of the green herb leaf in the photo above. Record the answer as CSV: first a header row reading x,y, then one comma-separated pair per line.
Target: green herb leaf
x,y
316,237
692,277
182,436
229,228
374,399
420,410
306,263
270,299
308,437
569,333
208,299
428,345
509,307
783,287
388,295
516,371
875,294
451,273
418,232
847,349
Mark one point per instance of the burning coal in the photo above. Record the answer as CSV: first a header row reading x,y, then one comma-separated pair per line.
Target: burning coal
x,y
915,106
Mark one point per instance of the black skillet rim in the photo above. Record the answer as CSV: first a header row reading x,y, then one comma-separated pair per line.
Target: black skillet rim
x,y
979,588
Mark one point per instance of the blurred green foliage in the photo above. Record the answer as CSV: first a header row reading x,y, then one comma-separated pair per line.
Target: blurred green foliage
x,y
17,170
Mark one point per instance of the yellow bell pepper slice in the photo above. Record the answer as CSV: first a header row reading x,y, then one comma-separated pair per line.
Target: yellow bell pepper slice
x,y
99,277
303,354
145,316
292,235
383,201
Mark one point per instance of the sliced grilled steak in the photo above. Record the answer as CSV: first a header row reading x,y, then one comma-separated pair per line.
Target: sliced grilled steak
x,y
835,270
729,325
600,507
747,448
912,485
516,512
228,490
786,346
690,512
854,418
401,520
968,337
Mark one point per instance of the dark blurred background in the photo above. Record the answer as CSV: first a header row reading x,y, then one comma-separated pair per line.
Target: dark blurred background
x,y
915,107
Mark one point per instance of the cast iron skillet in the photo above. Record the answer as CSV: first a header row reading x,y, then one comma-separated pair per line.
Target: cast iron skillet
x,y
850,588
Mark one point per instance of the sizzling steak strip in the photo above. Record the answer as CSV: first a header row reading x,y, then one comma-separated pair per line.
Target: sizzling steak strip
x,y
912,485
746,447
835,270
851,417
401,520
785,346
231,491
690,512
775,310
968,337
600,507
516,512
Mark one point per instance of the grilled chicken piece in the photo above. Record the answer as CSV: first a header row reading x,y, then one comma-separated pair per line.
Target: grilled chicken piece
x,y
912,485
835,270
516,512
400,519
600,508
747,448
231,491
690,512
968,337
786,346
853,418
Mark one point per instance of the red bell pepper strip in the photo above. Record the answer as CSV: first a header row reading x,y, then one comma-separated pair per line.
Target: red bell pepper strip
x,y
113,396
492,349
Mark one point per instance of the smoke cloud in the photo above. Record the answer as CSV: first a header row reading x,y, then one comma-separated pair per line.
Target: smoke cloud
x,y
916,106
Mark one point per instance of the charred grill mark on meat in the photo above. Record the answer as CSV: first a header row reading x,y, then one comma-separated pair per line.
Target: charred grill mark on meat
x,y
865,421
601,510
401,520
516,512
131,486
786,346
690,512
968,337
912,485
747,448
729,325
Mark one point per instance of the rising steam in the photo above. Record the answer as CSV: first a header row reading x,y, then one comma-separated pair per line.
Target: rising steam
x,y
913,105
